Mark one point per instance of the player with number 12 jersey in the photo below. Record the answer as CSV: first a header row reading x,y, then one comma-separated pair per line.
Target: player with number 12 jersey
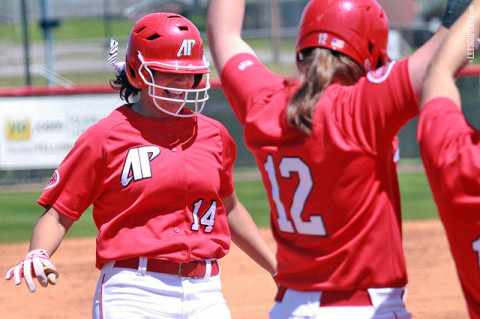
x,y
333,191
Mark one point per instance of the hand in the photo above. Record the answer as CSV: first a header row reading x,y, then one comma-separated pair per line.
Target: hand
x,y
43,269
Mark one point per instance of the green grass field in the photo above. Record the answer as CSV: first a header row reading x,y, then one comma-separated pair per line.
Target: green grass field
x,y
19,210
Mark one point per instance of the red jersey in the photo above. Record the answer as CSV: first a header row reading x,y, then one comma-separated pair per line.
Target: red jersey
x,y
450,151
334,196
155,184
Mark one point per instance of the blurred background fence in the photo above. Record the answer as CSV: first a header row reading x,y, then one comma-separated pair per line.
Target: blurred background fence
x,y
64,43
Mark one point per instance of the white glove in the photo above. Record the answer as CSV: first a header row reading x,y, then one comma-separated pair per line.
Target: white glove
x,y
43,269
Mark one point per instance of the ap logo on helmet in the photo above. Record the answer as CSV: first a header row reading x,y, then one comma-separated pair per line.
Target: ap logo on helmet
x,y
186,47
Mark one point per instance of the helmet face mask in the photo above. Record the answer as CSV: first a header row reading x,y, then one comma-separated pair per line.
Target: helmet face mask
x,y
168,43
196,102
356,28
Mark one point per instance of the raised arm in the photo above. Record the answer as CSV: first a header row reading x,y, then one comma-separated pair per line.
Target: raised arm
x,y
419,61
224,30
452,56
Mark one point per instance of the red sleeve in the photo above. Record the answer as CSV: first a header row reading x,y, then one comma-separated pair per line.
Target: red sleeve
x,y
246,82
78,180
449,147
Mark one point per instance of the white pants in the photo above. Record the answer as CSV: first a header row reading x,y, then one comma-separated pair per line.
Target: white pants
x,y
387,303
131,294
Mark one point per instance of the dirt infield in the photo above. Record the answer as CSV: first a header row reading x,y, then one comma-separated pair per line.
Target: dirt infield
x,y
433,290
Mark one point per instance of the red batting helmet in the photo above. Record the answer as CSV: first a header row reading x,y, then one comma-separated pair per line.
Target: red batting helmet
x,y
356,28
166,42
170,43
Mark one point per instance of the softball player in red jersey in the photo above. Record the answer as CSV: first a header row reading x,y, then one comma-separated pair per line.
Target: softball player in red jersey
x,y
450,152
326,148
159,176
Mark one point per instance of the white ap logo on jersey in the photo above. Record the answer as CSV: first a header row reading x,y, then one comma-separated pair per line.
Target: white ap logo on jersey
x,y
137,164
186,47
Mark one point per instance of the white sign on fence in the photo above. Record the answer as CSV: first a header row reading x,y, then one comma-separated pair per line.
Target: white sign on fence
x,y
38,131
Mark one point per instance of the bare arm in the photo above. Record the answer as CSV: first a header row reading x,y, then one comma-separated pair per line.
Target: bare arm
x,y
420,60
452,56
224,30
246,235
49,231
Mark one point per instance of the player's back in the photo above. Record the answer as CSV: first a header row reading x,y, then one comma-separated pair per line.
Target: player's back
x,y
335,208
334,194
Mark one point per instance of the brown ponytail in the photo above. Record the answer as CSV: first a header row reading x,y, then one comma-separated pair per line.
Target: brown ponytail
x,y
321,67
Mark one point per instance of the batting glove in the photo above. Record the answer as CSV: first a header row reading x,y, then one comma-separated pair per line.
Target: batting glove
x,y
454,9
36,264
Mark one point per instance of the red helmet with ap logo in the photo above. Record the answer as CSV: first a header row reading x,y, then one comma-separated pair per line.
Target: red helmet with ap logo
x,y
165,42
356,28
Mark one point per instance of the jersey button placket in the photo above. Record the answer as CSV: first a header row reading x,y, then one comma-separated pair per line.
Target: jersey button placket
x,y
171,136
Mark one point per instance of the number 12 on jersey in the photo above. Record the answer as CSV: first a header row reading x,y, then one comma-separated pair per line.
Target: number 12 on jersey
x,y
288,165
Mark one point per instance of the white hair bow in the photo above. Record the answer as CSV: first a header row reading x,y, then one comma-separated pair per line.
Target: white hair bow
x,y
112,57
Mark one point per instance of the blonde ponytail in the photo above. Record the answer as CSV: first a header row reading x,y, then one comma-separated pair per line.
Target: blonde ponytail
x,y
321,67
